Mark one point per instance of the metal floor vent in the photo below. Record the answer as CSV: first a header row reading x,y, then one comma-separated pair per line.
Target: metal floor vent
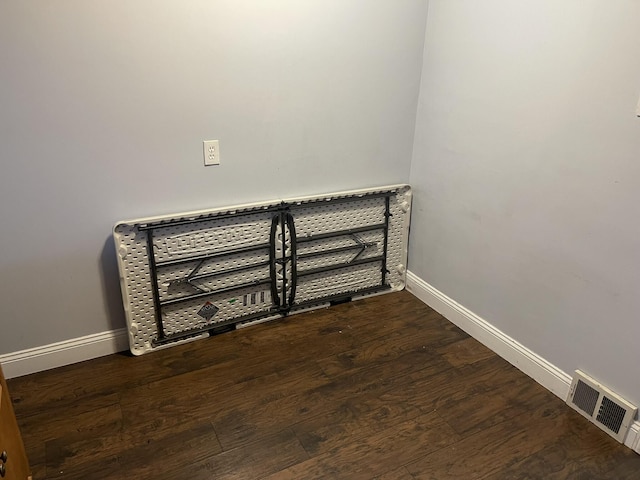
x,y
189,275
601,406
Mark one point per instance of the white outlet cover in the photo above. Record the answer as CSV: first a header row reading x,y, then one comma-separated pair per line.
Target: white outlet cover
x,y
211,151
638,108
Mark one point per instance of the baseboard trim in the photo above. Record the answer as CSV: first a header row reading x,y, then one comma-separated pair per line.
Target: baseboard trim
x,y
633,437
545,373
58,354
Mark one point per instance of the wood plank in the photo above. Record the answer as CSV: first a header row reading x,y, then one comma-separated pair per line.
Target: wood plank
x,y
47,427
245,420
352,420
477,456
155,410
376,454
398,474
79,448
477,412
249,462
465,352
151,458
401,340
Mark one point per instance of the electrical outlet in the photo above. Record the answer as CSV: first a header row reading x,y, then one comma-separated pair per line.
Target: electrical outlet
x,y
211,152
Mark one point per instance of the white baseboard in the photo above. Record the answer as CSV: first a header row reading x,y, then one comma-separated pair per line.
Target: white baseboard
x,y
58,354
633,437
545,373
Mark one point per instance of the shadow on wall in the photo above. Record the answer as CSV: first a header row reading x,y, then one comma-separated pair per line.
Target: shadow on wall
x,y
111,285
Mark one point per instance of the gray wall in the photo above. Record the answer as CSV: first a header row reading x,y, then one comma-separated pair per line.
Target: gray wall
x,y
526,172
104,106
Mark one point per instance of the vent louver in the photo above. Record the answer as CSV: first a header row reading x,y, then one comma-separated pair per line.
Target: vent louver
x,y
601,406
586,398
611,415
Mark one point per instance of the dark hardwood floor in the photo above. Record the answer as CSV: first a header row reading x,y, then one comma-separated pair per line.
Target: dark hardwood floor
x,y
379,388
